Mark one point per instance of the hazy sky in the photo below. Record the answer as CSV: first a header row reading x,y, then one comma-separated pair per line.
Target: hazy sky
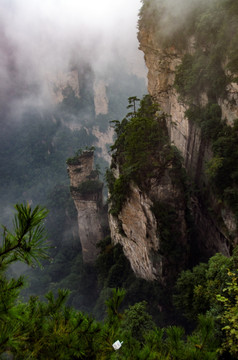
x,y
39,37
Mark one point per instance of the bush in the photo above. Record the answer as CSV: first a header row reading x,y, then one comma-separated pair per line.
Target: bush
x,y
141,147
88,187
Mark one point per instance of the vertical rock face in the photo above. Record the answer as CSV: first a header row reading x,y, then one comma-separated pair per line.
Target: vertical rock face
x,y
198,232
138,234
161,64
138,228
100,97
185,135
86,191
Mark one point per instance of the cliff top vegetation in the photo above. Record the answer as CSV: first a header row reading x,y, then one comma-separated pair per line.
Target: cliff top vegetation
x,y
141,150
213,24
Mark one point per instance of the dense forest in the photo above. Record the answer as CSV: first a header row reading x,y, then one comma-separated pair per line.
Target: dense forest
x,y
60,307
51,330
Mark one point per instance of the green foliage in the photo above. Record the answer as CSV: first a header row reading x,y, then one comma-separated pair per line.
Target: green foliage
x,y
137,321
166,25
229,317
200,73
26,242
209,119
50,330
88,187
141,147
38,330
132,100
207,70
119,191
214,27
196,289
113,304
75,160
221,169
168,343
114,270
185,298
168,231
54,331
212,289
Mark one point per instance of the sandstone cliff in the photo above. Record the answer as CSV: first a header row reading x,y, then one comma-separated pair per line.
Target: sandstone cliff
x,y
149,208
162,62
137,229
203,223
86,191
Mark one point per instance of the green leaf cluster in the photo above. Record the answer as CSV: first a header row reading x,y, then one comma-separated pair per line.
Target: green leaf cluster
x,y
88,187
196,289
200,73
229,316
211,289
50,330
140,150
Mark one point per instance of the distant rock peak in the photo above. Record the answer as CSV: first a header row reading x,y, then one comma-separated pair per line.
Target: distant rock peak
x,y
86,191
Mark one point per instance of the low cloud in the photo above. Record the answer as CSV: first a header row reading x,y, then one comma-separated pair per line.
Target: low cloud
x,y
39,38
175,13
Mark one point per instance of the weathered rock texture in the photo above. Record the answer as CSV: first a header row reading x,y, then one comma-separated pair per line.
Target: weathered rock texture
x,y
104,141
200,233
136,230
139,230
185,135
161,64
88,205
100,97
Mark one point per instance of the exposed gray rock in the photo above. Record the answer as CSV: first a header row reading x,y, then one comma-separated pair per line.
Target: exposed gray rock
x,y
88,205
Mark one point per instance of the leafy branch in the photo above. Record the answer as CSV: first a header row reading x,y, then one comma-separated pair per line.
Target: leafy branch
x,y
26,242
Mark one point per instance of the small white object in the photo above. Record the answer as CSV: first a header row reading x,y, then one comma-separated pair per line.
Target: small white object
x,y
117,344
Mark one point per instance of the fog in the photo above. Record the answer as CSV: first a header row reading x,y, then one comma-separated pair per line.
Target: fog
x,y
174,13
40,42
40,38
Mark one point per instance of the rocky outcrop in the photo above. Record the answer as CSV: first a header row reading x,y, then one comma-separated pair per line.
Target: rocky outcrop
x,y
100,97
185,135
141,230
229,105
60,82
162,63
197,230
136,230
104,141
86,191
